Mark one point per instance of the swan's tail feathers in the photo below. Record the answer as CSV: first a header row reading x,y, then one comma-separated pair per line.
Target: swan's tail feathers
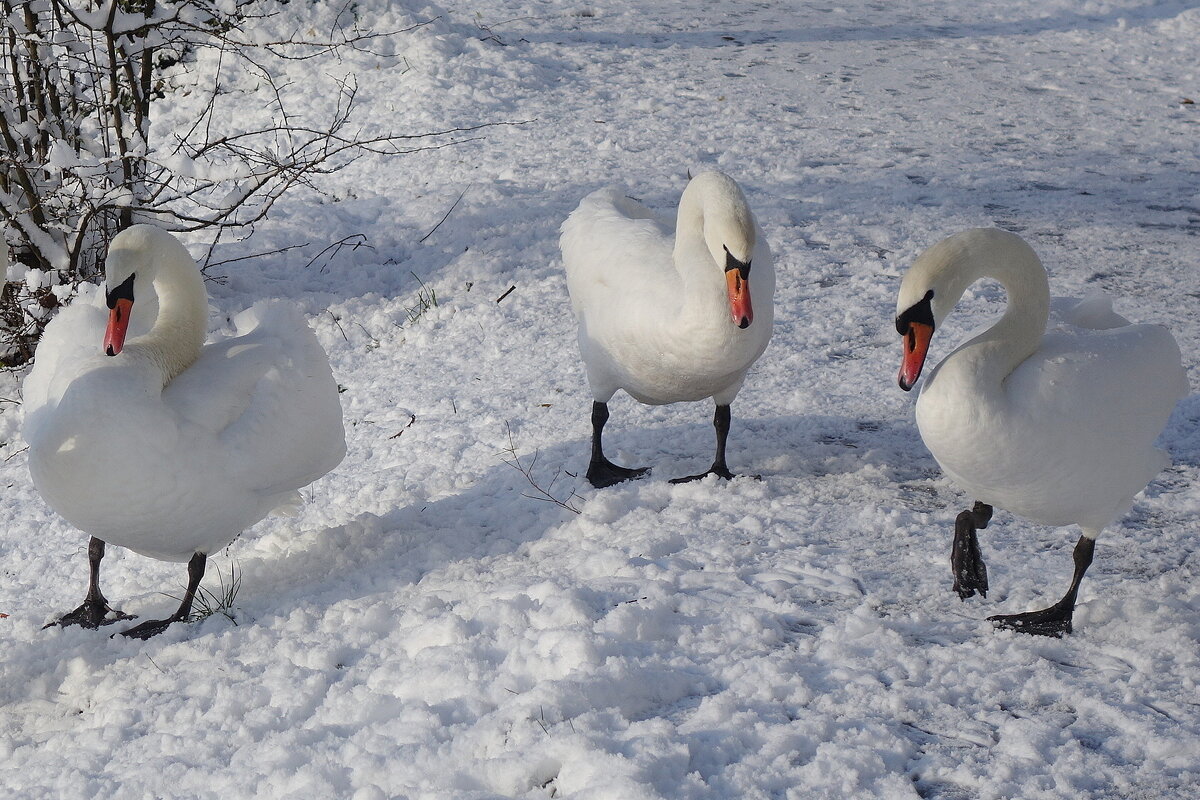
x,y
1094,312
269,314
604,217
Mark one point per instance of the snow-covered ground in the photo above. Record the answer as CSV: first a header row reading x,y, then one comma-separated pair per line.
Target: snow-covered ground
x,y
426,630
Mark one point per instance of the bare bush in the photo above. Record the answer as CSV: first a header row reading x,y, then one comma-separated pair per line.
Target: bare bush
x,y
77,161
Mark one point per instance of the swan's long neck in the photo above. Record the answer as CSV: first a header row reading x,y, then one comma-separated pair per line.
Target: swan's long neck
x,y
179,330
994,354
703,289
711,210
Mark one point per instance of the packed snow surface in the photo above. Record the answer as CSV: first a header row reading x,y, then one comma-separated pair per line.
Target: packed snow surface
x,y
427,629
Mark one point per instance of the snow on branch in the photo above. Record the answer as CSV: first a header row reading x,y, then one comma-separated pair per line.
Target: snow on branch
x,y
77,159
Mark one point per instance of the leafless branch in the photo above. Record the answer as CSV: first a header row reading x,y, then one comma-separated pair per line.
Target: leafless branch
x,y
544,494
77,83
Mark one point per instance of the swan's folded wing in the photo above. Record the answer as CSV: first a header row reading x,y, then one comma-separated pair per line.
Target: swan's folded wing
x,y
70,344
219,386
1125,380
612,245
274,391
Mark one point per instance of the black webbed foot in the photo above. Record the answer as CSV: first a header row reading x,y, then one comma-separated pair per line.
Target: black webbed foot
x,y
603,473
91,614
154,627
1053,621
966,561
720,470
151,627
95,610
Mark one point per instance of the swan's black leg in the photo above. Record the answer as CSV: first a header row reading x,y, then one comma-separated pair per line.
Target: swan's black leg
x,y
95,610
602,472
154,627
721,423
1055,620
970,573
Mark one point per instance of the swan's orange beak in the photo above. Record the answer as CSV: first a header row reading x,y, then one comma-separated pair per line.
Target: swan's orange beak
x,y
916,347
118,324
739,298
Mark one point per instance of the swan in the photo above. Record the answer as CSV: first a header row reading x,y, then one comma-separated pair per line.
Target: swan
x,y
1056,425
164,445
666,314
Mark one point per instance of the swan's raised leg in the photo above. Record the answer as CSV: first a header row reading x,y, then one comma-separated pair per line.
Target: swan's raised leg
x,y
970,573
721,423
1055,620
95,610
154,627
602,472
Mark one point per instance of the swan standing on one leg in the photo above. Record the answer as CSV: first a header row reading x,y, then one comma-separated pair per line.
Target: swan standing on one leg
x,y
1057,426
666,314
163,445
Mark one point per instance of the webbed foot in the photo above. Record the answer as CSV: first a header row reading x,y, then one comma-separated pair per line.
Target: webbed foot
x,y
91,614
1053,621
603,473
152,627
721,471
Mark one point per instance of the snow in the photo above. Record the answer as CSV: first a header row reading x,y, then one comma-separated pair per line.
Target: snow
x,y
424,629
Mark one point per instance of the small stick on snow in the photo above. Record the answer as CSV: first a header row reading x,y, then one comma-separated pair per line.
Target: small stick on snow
x,y
339,326
411,420
507,293
445,217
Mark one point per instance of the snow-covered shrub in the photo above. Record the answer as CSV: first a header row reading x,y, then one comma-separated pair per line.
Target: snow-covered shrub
x,y
77,158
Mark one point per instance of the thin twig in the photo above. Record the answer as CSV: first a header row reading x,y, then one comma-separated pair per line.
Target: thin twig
x,y
411,420
445,217
338,245
339,326
543,494
263,254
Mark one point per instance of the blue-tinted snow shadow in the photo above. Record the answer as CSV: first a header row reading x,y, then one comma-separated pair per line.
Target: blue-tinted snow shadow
x,y
517,224
498,515
366,556
949,29
496,235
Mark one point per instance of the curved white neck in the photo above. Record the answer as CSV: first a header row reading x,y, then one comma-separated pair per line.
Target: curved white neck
x,y
179,330
996,352
711,207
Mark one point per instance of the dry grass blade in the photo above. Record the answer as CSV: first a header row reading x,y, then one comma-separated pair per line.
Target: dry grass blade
x,y
207,603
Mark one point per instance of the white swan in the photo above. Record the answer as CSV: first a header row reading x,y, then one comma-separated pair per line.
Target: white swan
x,y
666,314
165,446
1056,426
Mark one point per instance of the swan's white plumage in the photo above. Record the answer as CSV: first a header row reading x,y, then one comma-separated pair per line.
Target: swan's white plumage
x,y
170,471
650,298
1051,417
